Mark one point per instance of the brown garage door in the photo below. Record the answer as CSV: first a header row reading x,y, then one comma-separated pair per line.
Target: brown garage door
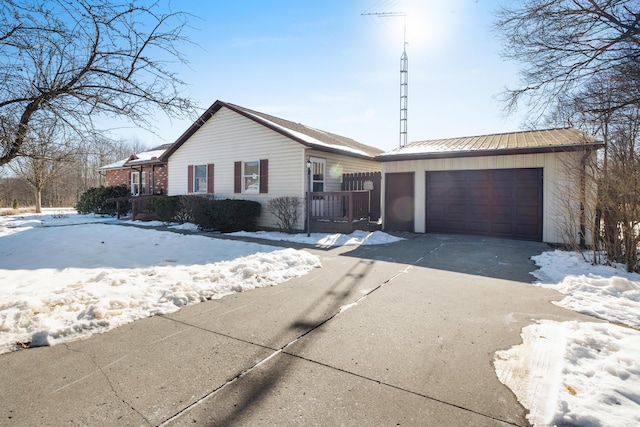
x,y
497,202
399,201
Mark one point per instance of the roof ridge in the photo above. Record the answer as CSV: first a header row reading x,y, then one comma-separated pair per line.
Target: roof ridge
x,y
321,136
497,134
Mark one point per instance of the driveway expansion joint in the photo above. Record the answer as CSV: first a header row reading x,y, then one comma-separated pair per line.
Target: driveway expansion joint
x,y
106,377
402,389
280,350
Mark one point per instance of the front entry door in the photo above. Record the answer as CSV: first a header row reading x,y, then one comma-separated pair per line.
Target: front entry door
x,y
399,201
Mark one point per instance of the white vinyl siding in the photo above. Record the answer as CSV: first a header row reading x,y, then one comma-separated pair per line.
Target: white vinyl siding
x,y
557,182
227,138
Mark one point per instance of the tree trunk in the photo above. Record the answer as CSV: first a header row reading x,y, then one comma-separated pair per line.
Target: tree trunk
x,y
38,200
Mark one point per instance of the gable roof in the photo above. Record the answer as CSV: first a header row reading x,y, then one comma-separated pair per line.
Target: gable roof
x,y
305,135
525,142
146,157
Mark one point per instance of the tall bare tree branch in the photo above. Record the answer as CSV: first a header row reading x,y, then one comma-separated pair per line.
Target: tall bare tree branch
x,y
562,44
86,59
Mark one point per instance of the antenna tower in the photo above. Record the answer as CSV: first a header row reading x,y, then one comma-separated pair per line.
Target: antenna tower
x,y
404,73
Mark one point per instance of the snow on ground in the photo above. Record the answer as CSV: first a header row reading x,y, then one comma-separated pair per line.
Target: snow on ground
x,y
65,276
580,373
605,292
325,240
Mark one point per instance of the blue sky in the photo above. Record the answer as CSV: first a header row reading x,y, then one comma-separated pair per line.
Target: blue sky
x,y
324,64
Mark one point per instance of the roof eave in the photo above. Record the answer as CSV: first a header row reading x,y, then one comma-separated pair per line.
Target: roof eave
x,y
483,153
195,126
335,150
131,166
219,104
297,139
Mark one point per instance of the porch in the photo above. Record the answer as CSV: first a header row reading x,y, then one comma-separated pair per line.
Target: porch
x,y
142,206
341,212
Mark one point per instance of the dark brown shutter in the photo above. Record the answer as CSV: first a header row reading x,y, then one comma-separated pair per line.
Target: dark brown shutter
x,y
264,176
210,178
190,179
237,177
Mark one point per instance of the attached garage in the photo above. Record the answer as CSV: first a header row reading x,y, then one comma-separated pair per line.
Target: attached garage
x,y
493,202
516,185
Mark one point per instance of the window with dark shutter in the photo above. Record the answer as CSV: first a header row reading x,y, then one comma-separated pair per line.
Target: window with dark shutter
x,y
210,178
264,176
237,177
251,177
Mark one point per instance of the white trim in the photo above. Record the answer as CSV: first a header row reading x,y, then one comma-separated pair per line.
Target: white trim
x,y
256,189
196,188
135,185
323,163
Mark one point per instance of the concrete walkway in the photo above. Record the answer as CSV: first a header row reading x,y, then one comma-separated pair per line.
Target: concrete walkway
x,y
400,334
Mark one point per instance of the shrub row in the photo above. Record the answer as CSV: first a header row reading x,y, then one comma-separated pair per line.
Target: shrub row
x,y
94,200
226,215
209,214
221,215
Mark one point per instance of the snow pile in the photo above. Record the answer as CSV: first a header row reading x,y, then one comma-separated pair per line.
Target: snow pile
x,y
575,373
605,292
326,240
61,283
580,373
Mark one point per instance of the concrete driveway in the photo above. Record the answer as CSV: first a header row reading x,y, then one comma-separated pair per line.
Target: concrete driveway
x,y
400,334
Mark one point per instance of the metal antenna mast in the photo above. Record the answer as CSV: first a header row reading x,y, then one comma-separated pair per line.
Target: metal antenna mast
x,y
404,74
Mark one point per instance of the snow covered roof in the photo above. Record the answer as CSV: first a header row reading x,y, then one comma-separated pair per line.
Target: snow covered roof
x,y
535,141
146,157
308,136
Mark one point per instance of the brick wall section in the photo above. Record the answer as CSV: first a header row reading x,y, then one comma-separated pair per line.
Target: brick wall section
x,y
161,179
123,176
117,176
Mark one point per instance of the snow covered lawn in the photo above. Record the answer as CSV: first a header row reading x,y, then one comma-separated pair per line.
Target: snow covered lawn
x,y
65,276
580,373
62,279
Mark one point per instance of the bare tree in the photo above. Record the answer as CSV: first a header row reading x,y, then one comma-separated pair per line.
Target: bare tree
x,y
563,44
84,59
45,155
616,223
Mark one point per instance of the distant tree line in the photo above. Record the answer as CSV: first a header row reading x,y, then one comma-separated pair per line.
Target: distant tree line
x,y
69,178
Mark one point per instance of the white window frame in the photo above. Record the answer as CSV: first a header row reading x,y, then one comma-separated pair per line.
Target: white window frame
x,y
135,183
254,186
197,188
317,162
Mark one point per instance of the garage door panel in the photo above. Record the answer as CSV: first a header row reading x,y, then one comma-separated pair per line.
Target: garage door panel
x,y
527,174
498,202
481,193
528,194
481,211
528,211
476,227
